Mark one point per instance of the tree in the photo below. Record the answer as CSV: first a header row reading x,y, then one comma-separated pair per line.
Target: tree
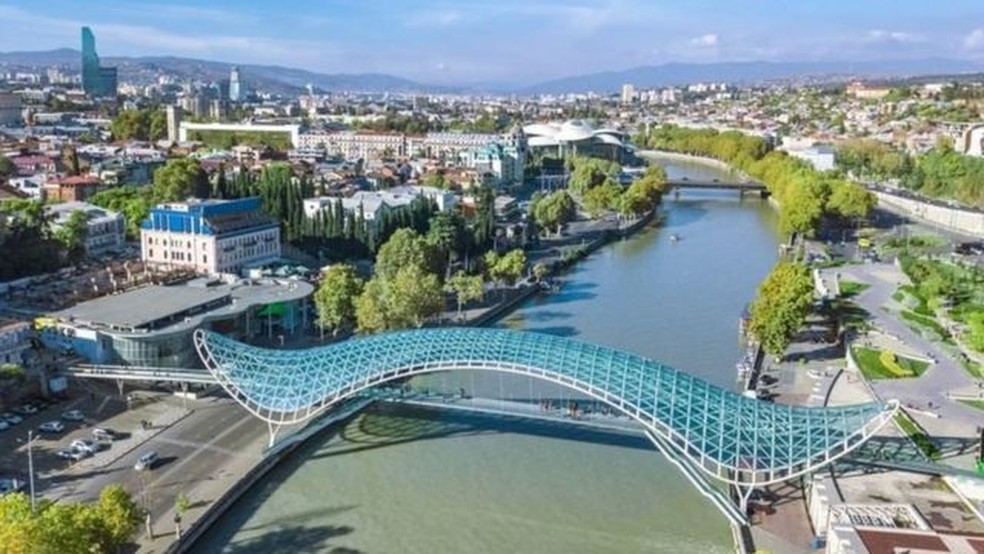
x,y
602,198
851,201
119,514
180,179
133,202
510,268
7,167
148,124
404,248
465,288
406,299
66,527
416,296
447,235
784,299
555,210
371,310
73,235
336,297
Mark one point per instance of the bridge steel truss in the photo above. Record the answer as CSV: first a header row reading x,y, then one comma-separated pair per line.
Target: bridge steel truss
x,y
741,441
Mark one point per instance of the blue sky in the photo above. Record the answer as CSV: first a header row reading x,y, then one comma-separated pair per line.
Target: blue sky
x,y
465,41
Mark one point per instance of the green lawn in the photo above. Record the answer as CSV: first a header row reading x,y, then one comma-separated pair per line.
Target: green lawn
x,y
925,321
918,436
979,404
850,289
973,368
869,361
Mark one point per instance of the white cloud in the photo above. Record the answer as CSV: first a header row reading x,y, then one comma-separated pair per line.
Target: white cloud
x,y
707,41
974,40
882,36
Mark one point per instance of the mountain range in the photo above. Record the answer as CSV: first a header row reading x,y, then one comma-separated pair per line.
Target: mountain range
x,y
291,80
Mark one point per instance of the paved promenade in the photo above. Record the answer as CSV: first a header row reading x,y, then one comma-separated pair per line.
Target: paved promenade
x,y
943,377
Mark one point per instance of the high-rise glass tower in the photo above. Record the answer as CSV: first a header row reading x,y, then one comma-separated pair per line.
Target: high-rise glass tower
x,y
235,86
90,62
96,80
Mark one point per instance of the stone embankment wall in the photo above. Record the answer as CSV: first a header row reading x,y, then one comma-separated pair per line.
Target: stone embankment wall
x,y
961,220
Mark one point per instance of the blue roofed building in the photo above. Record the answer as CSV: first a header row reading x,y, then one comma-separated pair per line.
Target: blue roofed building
x,y
210,236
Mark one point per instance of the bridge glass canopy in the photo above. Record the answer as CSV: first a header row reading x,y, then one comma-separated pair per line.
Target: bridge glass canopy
x,y
729,436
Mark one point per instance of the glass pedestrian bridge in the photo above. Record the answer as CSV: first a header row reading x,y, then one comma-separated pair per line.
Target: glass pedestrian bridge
x,y
738,440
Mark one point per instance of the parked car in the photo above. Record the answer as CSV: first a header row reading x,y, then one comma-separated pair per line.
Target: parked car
x,y
3,425
10,485
11,418
146,460
101,434
51,427
73,415
26,409
73,454
85,444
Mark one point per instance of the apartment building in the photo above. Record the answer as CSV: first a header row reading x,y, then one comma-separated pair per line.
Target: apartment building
x,y
210,236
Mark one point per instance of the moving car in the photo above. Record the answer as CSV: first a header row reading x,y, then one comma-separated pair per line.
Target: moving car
x,y
51,427
11,418
73,415
146,460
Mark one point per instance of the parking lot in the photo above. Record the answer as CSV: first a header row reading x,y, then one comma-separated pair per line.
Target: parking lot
x,y
56,423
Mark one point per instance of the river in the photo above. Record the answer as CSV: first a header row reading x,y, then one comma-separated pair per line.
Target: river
x,y
401,479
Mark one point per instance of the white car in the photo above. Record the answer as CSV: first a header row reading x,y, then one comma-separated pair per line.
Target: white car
x,y
103,434
73,454
146,460
51,427
73,415
86,445
3,425
11,418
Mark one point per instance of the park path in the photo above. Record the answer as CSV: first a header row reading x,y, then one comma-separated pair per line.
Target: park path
x,y
943,377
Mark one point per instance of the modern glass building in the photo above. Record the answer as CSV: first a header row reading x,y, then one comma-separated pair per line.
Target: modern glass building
x,y
97,81
153,326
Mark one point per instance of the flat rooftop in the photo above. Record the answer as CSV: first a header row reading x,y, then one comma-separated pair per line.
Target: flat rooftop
x,y
157,307
143,306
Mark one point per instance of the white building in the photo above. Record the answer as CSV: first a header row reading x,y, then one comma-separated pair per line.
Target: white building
x,y
628,93
210,236
106,229
374,203
821,157
354,145
32,186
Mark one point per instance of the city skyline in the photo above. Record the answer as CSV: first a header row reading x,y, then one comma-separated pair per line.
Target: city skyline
x,y
456,42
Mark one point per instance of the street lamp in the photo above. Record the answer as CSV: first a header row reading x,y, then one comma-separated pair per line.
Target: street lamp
x,y
30,464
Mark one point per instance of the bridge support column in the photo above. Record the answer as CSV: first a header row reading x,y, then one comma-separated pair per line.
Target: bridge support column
x,y
273,429
744,495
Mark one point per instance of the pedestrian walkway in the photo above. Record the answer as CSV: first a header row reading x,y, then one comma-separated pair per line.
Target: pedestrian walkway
x,y
944,376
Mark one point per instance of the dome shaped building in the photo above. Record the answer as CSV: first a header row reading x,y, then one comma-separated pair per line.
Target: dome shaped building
x,y
577,137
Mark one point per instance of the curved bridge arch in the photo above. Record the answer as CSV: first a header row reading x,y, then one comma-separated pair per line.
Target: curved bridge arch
x,y
730,437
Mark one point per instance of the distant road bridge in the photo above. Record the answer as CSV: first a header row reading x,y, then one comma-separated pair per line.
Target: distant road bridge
x,y
716,184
